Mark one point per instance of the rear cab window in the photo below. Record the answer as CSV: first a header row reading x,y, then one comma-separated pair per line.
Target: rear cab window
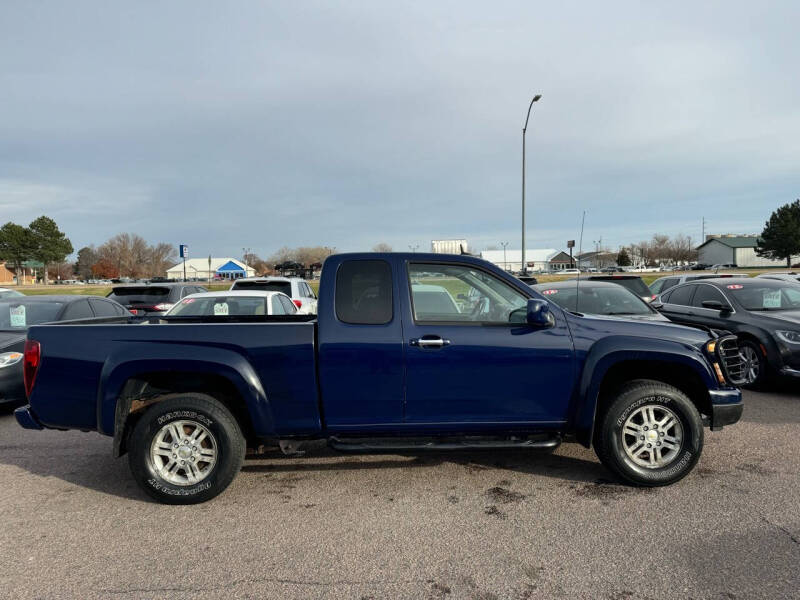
x,y
284,287
363,293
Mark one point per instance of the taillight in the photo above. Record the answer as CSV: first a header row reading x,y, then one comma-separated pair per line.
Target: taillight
x,y
163,306
33,356
298,303
133,311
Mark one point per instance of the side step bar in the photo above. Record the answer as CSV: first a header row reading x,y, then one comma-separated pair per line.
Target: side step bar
x,y
401,445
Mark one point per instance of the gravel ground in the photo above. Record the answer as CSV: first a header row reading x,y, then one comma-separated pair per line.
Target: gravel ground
x,y
470,525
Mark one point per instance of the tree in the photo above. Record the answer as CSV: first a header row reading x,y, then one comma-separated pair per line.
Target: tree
x,y
162,257
780,239
623,260
61,270
382,247
16,246
105,269
49,244
87,256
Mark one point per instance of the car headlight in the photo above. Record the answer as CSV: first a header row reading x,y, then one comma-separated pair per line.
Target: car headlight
x,y
790,337
9,358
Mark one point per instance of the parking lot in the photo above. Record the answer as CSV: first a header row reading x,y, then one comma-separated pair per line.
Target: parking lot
x,y
476,525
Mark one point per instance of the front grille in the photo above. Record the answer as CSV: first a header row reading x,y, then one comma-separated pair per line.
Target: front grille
x,y
730,358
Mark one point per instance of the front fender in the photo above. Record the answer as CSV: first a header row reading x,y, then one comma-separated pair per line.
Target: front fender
x,y
614,350
126,363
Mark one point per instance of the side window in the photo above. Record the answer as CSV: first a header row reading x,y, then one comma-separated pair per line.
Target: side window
x,y
288,306
463,294
78,310
277,306
311,293
707,292
364,292
682,295
669,282
104,309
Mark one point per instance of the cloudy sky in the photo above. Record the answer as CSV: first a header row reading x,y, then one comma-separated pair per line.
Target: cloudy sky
x,y
264,124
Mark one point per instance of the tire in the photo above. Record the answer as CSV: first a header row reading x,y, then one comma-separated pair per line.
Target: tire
x,y
174,472
756,363
673,452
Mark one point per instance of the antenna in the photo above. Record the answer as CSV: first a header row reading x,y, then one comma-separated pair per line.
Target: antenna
x,y
580,251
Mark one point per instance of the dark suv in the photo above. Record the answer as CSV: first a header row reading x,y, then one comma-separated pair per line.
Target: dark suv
x,y
152,300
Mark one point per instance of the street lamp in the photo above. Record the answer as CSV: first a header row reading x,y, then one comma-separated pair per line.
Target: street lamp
x,y
413,248
505,262
524,129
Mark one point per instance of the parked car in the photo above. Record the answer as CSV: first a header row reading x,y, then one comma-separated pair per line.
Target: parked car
x,y
793,277
145,300
717,267
611,270
7,293
240,303
662,284
17,314
381,370
296,288
633,283
699,266
599,298
566,272
763,313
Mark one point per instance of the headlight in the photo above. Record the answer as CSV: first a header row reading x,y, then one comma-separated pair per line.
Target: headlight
x,y
790,337
9,358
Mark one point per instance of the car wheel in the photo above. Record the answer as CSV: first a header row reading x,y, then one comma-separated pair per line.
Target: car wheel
x,y
650,435
185,449
755,363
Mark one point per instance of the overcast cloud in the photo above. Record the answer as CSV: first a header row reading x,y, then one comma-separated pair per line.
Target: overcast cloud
x,y
223,125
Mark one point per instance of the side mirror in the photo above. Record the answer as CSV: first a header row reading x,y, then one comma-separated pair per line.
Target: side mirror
x,y
538,313
716,305
657,304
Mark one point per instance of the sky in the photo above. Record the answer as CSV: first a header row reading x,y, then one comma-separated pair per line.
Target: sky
x,y
345,124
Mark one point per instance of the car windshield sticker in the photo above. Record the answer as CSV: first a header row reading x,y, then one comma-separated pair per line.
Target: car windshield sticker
x,y
549,292
187,301
735,286
18,316
772,299
221,309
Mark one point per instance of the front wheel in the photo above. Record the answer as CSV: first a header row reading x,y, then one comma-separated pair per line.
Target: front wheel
x,y
185,449
755,363
650,435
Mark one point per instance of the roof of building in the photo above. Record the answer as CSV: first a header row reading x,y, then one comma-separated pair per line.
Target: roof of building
x,y
201,264
734,241
515,256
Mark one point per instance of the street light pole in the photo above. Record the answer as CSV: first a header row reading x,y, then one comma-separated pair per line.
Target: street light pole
x,y
505,262
524,129
413,248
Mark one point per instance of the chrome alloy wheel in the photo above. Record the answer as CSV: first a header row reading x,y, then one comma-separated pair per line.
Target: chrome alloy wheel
x,y
752,364
652,436
183,452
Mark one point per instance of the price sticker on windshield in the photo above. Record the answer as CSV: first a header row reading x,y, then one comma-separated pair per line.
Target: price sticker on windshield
x,y
772,299
18,316
187,300
735,286
549,292
221,309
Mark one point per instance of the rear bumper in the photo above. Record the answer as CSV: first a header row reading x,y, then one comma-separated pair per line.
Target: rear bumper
x,y
726,408
26,419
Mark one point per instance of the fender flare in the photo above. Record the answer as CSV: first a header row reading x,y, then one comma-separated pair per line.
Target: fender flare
x,y
613,350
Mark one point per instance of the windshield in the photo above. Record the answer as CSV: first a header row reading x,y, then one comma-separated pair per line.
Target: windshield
x,y
265,286
634,284
766,297
17,315
5,294
139,295
598,300
220,306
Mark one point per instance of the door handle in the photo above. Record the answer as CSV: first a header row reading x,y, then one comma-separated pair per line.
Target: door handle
x,y
429,342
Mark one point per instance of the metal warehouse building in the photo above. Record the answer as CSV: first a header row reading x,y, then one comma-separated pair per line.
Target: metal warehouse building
x,y
739,250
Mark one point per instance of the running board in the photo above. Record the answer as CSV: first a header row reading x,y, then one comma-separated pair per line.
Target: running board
x,y
401,445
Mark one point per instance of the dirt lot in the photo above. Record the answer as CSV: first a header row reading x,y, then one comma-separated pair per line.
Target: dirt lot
x,y
479,526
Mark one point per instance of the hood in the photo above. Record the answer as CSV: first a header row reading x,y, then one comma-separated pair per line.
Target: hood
x,y
666,330
782,317
11,338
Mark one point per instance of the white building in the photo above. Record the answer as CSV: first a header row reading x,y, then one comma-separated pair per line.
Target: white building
x,y
199,268
448,246
538,259
739,250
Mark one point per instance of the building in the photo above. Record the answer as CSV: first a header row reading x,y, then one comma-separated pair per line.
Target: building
x,y
538,259
30,272
597,260
739,250
218,268
448,246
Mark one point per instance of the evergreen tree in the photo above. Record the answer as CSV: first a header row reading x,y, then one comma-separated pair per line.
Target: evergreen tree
x,y
780,239
50,245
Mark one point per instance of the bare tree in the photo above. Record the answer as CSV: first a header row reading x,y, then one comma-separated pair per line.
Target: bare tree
x,y
382,247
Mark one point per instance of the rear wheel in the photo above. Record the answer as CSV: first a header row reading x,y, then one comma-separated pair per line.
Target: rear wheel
x,y
650,435
185,449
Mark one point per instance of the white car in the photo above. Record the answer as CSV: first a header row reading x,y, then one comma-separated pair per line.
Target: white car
x,y
243,303
296,288
793,277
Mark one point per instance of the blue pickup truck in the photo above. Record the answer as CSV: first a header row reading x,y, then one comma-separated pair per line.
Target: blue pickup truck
x,y
409,352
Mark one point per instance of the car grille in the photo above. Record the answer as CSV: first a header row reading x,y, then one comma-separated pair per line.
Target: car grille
x,y
731,359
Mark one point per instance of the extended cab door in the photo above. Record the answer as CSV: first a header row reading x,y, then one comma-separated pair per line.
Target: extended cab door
x,y
466,363
361,347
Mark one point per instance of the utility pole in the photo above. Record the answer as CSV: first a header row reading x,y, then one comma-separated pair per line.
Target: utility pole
x,y
597,252
505,262
524,129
